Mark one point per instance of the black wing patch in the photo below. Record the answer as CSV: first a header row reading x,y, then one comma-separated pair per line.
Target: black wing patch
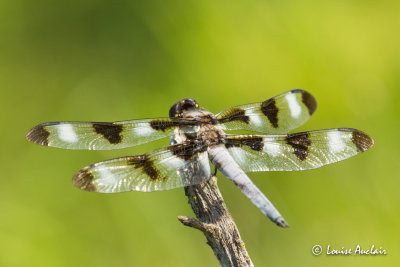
x,y
235,114
300,142
269,109
110,131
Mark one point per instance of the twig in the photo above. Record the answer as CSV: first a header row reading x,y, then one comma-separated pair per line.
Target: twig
x,y
215,221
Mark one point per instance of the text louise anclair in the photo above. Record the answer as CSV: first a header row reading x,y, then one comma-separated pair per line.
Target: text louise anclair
x,y
358,250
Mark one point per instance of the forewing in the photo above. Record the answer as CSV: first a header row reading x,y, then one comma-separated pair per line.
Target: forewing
x,y
102,135
162,169
297,151
277,115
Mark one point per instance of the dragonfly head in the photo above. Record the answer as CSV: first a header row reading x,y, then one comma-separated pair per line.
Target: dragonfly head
x,y
185,105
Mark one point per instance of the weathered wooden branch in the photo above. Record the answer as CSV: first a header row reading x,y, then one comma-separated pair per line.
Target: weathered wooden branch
x,y
215,221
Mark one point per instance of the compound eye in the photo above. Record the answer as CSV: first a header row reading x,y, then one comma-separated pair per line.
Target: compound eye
x,y
176,115
197,105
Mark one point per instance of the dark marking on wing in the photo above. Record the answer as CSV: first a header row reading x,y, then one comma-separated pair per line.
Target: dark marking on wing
x,y
269,108
147,166
187,150
110,131
300,143
162,125
39,135
254,142
309,101
235,114
361,140
83,180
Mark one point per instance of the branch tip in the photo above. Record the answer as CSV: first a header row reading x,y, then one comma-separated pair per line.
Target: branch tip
x,y
191,222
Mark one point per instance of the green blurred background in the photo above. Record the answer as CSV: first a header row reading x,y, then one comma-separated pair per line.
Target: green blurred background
x,y
104,61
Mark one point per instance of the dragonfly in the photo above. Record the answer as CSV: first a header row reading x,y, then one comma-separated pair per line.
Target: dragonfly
x,y
197,137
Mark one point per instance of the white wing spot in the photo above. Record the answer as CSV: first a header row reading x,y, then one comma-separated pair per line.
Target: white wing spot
x,y
272,149
66,133
335,142
255,119
106,177
143,131
294,106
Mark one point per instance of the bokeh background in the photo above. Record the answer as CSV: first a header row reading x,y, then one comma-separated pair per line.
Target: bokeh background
x,y
105,61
